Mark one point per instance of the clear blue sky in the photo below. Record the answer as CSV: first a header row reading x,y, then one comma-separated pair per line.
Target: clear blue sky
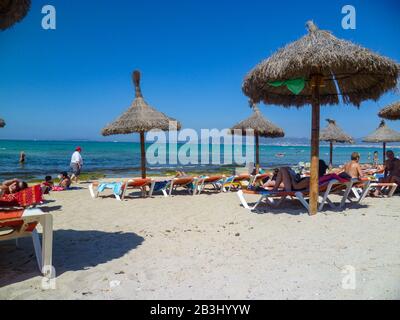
x,y
69,82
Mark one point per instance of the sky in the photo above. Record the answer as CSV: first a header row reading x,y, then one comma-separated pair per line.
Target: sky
x,y
68,83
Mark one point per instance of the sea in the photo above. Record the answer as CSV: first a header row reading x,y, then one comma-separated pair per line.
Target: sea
x,y
121,159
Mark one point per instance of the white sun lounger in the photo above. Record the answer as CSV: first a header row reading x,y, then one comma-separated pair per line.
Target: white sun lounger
x,y
15,224
136,183
274,199
216,182
361,192
174,184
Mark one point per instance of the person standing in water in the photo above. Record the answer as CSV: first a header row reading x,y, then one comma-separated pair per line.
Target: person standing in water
x,y
375,163
76,164
22,158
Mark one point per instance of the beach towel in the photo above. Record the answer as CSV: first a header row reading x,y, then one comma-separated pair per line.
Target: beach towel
x,y
57,188
160,185
24,198
116,187
378,176
332,176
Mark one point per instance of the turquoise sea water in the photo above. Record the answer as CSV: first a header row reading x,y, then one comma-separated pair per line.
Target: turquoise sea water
x,y
123,158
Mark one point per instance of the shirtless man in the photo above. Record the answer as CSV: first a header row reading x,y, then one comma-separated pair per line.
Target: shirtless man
x,y
353,168
391,173
12,186
392,168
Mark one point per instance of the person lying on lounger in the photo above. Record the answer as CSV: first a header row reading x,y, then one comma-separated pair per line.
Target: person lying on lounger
x,y
12,186
290,181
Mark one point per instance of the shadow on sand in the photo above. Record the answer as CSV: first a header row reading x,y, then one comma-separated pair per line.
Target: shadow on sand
x,y
72,250
295,208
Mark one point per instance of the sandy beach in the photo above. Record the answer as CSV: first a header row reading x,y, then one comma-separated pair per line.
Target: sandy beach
x,y
208,247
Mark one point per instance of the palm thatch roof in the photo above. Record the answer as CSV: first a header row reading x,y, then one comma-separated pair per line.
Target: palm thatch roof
x,y
333,133
391,112
383,134
262,126
359,73
140,117
12,11
2,123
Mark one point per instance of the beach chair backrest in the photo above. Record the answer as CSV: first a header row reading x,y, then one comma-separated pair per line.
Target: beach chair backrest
x,y
183,181
139,182
213,178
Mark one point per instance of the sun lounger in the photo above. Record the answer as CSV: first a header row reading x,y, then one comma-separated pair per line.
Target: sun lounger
x,y
215,181
17,221
257,179
15,224
275,198
138,183
171,185
236,182
360,192
119,188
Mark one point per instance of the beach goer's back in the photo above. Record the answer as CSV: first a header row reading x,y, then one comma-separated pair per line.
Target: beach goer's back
x,y
353,168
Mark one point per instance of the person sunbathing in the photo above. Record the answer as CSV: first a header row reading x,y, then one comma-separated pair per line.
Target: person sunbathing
x,y
294,182
352,169
12,186
65,180
392,168
391,172
47,184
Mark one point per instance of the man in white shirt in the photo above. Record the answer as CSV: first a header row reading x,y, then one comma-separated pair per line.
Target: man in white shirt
x,y
76,164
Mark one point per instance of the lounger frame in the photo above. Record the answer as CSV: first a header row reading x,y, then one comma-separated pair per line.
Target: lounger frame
x,y
274,200
43,250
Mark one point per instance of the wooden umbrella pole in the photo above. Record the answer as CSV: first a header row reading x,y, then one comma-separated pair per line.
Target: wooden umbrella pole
x,y
384,153
331,154
143,155
315,119
257,154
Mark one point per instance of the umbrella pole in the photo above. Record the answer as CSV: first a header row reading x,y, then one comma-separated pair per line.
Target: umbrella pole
x,y
331,154
257,154
384,153
143,155
315,119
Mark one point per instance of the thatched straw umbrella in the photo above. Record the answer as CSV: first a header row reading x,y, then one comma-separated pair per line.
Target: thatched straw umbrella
x,y
391,112
309,71
333,133
140,118
2,123
262,128
12,11
383,134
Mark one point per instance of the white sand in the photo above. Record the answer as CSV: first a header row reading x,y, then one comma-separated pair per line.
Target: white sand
x,y
208,247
